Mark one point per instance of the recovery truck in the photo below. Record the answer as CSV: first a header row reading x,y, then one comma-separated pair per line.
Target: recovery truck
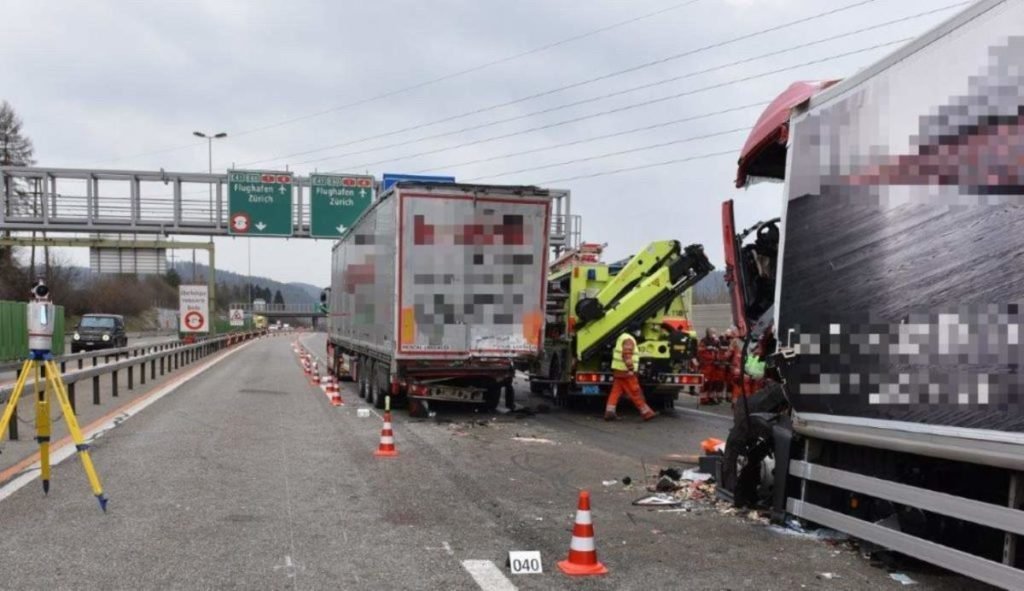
x,y
590,303
437,292
886,301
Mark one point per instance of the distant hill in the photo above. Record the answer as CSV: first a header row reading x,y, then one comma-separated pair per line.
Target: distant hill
x,y
293,293
712,289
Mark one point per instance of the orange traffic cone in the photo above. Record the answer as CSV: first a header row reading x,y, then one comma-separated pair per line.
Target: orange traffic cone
x,y
582,555
334,393
386,449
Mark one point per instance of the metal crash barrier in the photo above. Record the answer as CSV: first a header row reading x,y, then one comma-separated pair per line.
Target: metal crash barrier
x,y
139,362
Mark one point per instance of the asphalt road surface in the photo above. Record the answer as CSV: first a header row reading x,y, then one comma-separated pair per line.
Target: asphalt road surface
x,y
245,477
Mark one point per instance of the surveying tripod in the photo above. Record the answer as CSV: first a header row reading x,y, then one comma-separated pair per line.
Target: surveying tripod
x,y
47,381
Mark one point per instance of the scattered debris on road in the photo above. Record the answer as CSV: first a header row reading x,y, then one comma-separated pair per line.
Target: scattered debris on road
x,y
902,579
658,500
681,458
534,440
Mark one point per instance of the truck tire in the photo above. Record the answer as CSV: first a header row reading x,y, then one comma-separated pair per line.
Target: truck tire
x,y
367,373
379,386
492,398
418,409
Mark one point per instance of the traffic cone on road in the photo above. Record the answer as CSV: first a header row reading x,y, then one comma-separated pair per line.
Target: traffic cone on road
x,y
315,380
582,554
386,449
334,393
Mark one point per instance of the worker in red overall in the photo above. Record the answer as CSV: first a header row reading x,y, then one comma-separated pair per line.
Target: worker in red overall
x,y
707,355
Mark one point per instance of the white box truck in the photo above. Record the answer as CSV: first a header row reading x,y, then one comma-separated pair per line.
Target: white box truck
x,y
437,292
887,301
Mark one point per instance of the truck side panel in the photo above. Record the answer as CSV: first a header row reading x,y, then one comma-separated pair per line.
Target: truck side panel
x,y
901,276
472,274
363,282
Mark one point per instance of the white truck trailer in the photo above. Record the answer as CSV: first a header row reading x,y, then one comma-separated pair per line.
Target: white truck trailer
x,y
437,292
895,283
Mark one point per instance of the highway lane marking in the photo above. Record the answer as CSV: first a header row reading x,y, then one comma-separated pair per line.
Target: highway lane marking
x,y
65,448
487,576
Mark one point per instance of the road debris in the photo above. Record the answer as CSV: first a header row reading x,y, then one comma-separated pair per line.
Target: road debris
x,y
534,440
626,481
712,445
902,579
694,476
609,482
681,458
828,576
658,500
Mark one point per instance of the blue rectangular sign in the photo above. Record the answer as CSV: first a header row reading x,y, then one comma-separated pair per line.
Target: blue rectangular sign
x,y
389,179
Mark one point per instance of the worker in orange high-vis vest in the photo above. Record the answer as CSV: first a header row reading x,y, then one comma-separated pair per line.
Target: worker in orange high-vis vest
x,y
624,367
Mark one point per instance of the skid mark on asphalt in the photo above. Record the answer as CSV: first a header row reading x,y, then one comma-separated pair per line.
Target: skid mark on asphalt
x,y
487,575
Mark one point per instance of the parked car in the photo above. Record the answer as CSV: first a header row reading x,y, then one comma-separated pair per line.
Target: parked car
x,y
99,331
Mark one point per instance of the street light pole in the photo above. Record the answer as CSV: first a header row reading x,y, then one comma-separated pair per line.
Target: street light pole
x,y
209,152
210,279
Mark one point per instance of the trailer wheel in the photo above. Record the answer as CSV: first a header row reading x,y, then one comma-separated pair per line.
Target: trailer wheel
x,y
368,388
491,398
361,377
418,409
379,386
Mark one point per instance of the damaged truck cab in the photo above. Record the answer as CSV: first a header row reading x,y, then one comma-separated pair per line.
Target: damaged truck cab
x,y
893,286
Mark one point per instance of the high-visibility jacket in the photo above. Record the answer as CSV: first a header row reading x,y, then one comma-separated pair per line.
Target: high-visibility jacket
x,y
624,358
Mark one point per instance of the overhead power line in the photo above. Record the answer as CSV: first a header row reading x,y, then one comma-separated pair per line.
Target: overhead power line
x,y
633,106
621,92
639,167
616,153
548,92
592,138
432,81
477,68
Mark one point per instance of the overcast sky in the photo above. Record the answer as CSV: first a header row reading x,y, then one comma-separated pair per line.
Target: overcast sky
x,y
122,84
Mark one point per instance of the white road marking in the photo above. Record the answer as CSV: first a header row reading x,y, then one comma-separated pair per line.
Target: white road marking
x,y
290,568
68,450
487,576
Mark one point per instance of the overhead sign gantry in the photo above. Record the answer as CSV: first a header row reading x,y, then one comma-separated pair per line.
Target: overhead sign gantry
x,y
245,203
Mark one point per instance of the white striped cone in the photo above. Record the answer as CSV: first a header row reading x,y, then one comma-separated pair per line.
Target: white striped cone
x,y
582,552
334,392
386,449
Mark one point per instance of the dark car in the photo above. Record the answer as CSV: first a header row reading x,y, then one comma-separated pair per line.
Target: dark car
x,y
99,331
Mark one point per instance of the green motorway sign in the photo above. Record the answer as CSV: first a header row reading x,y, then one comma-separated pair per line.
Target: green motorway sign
x,y
259,203
336,201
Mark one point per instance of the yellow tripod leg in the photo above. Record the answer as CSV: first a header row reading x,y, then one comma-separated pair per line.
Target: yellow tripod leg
x,y
12,402
53,377
43,429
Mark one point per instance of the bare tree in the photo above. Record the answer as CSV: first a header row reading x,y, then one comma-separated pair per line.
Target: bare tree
x,y
15,150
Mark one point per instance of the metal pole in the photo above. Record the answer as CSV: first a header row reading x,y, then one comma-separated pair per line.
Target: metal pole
x,y
209,153
251,311
211,287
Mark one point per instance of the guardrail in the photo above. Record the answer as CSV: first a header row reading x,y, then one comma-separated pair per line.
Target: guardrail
x,y
107,354
167,357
